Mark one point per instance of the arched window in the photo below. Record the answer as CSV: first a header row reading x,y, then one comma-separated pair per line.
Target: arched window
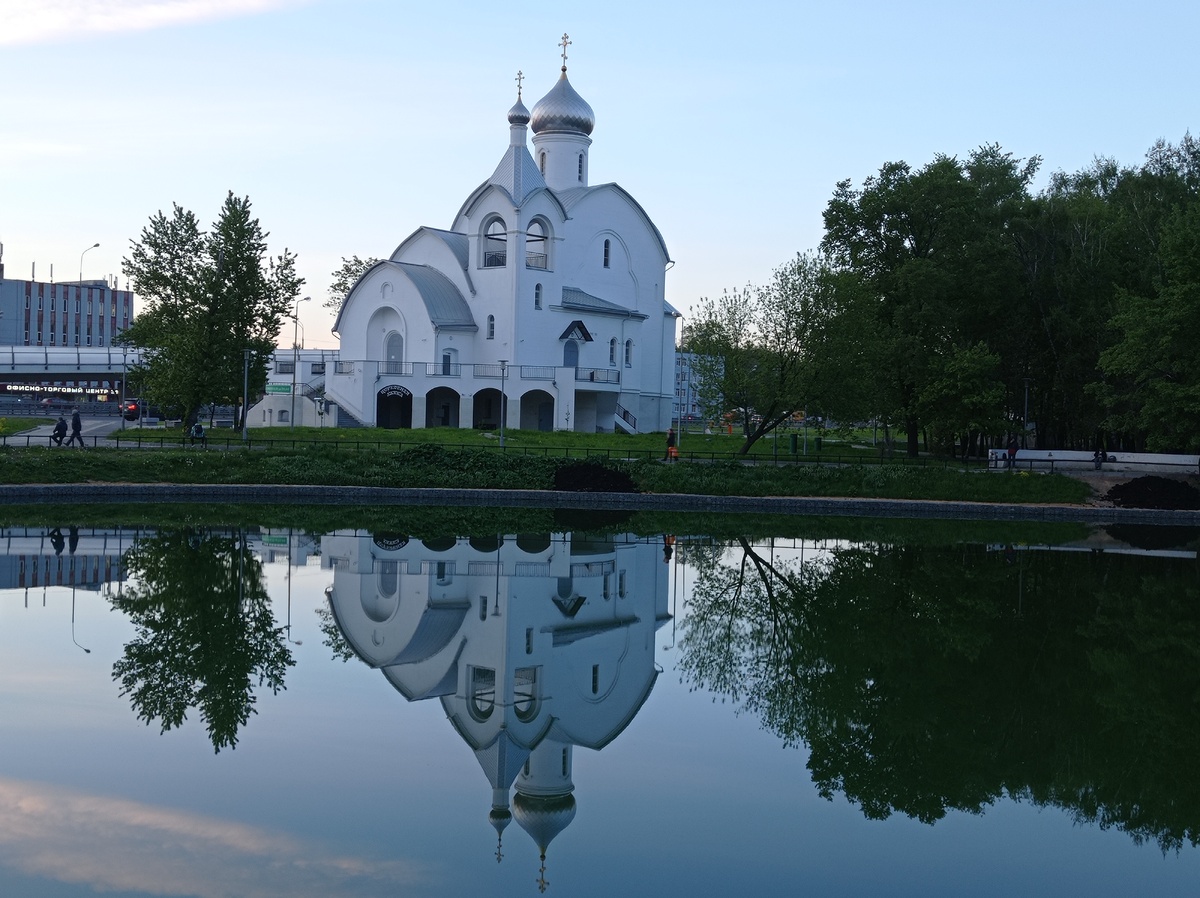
x,y
482,699
395,348
491,327
537,296
628,353
525,693
542,163
607,252
612,352
570,354
537,247
581,168
495,244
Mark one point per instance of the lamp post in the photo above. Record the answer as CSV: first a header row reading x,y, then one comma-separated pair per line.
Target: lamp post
x,y
124,374
503,408
1025,418
81,255
295,356
245,389
86,651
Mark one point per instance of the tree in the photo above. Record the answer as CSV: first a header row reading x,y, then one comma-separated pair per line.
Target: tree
x,y
932,247
210,297
345,278
1156,352
924,679
758,350
205,632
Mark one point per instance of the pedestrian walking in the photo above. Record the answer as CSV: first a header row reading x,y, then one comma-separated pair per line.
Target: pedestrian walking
x,y
671,452
60,431
76,429
1012,450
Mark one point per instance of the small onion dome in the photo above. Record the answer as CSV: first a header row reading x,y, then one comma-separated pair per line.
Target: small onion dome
x,y
543,818
518,115
562,110
500,818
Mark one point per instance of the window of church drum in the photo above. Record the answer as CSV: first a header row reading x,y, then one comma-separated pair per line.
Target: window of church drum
x,y
580,178
495,245
482,698
536,246
607,252
525,693
537,296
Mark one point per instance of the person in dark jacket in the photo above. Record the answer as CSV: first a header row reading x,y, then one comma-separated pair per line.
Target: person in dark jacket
x,y
60,431
76,429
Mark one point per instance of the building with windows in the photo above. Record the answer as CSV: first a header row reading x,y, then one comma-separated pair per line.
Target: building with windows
x,y
76,313
71,316
534,644
544,301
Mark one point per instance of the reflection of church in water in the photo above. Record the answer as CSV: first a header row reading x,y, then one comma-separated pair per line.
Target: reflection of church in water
x,y
534,644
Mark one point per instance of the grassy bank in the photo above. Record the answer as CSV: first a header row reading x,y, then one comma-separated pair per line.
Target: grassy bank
x,y
431,465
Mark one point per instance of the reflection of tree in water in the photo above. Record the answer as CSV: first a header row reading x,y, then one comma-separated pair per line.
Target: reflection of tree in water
x,y
205,632
932,679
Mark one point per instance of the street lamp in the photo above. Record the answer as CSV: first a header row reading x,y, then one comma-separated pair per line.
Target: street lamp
x,y
245,389
503,409
295,355
81,255
124,374
86,651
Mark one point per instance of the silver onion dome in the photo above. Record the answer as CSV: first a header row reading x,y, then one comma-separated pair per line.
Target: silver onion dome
x,y
543,817
518,115
562,110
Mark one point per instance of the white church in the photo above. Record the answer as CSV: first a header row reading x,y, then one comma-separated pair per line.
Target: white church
x,y
543,302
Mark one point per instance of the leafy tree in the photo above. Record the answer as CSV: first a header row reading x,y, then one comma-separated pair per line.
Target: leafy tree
x,y
931,246
1157,351
927,678
345,278
205,632
210,297
760,350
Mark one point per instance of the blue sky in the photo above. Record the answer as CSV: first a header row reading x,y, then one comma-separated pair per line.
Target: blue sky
x,y
351,123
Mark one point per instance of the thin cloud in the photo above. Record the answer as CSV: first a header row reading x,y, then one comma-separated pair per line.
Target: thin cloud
x,y
49,21
114,844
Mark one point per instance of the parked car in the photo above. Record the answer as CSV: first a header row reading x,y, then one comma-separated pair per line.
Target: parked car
x,y
138,408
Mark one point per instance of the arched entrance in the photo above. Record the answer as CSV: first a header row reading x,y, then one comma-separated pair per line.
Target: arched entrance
x,y
393,408
441,408
485,411
537,411
570,354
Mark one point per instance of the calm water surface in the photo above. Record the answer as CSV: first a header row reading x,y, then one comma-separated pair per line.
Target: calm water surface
x,y
268,713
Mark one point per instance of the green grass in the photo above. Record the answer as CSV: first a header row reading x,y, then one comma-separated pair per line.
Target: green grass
x,y
431,465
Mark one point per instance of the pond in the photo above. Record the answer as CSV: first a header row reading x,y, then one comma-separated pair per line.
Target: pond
x,y
257,711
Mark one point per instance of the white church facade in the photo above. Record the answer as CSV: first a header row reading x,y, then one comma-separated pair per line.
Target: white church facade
x,y
544,301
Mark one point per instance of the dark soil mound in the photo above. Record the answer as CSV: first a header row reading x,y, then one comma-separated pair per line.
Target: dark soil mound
x,y
1155,538
1155,492
588,477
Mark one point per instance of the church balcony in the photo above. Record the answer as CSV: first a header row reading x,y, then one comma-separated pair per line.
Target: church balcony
x,y
535,260
515,372
495,258
598,375
402,369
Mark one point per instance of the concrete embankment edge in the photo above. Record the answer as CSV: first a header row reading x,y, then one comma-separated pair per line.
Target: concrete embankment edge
x,y
94,493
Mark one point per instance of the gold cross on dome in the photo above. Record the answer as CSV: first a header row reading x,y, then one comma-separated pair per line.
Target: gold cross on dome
x,y
565,42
